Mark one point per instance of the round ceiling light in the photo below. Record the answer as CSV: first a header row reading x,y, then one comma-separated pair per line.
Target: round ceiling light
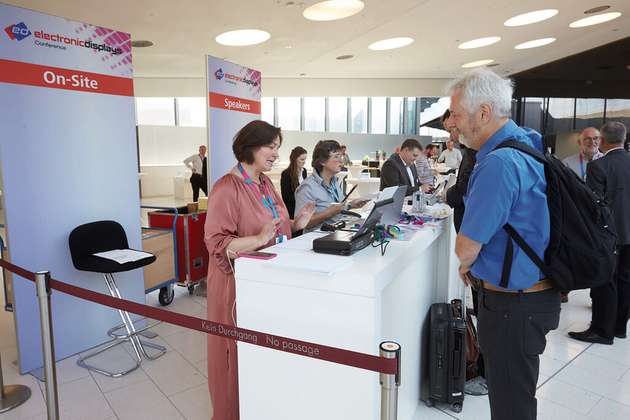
x,y
333,10
531,17
141,44
243,37
479,42
535,43
594,20
390,44
477,63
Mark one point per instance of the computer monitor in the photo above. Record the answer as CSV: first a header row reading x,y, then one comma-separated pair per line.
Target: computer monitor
x,y
372,220
391,212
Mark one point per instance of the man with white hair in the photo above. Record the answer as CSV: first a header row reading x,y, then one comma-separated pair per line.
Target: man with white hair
x,y
505,187
588,142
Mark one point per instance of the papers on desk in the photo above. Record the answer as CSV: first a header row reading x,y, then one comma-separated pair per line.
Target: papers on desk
x,y
123,256
298,255
387,193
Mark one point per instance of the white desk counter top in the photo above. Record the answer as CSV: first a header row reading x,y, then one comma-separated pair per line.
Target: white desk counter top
x,y
352,303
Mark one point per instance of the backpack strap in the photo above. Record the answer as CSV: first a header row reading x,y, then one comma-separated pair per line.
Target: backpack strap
x,y
522,147
514,235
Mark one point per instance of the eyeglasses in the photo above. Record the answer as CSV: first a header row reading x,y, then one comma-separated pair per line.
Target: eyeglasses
x,y
336,156
592,139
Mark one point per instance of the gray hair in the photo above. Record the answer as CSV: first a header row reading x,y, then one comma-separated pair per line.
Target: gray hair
x,y
614,132
483,86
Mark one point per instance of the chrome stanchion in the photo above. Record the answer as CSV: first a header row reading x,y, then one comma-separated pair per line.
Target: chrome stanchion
x,y
12,395
42,282
389,383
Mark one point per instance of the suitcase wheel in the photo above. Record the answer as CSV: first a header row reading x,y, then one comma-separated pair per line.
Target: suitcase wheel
x,y
166,295
456,407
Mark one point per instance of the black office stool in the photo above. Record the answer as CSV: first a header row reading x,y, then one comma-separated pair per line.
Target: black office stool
x,y
107,235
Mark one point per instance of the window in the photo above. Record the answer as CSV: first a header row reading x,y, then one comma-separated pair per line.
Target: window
x,y
338,114
359,112
191,112
266,110
289,113
618,110
533,113
410,116
155,111
378,118
314,113
395,115
560,119
589,113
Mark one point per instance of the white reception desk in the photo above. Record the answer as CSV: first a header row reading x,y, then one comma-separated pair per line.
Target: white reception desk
x,y
367,298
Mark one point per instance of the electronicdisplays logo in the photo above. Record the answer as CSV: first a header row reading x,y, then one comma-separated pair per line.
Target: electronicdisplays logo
x,y
232,79
17,32
219,74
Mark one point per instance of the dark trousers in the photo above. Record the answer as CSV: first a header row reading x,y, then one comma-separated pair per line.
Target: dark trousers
x,y
512,329
198,181
611,302
481,371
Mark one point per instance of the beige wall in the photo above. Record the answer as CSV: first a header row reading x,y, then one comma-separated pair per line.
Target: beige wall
x,y
299,87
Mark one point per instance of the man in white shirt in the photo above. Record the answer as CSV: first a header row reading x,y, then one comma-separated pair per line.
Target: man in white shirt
x,y
451,156
588,142
199,167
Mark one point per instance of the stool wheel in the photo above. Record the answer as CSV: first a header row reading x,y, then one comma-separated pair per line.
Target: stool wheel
x,y
166,296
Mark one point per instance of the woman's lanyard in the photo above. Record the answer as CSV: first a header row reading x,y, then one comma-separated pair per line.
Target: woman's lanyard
x,y
263,195
582,168
332,189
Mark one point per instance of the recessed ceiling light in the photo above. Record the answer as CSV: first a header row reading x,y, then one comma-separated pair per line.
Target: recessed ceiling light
x,y
479,42
302,74
243,37
333,10
141,44
531,17
535,43
345,57
477,63
390,44
594,20
493,65
596,9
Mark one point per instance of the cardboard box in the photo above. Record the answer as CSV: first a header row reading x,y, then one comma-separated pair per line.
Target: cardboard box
x,y
158,242
193,207
203,203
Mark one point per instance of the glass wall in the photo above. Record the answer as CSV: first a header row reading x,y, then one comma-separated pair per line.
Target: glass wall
x,y
589,113
267,110
378,118
155,111
396,114
338,114
191,112
315,114
359,114
289,113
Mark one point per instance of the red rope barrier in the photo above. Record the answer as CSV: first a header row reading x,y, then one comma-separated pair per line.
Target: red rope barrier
x,y
288,345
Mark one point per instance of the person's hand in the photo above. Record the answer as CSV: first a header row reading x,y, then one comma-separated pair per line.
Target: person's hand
x,y
425,188
268,231
334,209
463,274
358,202
303,216
434,172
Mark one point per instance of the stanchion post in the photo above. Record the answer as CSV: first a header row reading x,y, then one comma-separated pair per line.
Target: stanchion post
x,y
12,395
390,383
42,282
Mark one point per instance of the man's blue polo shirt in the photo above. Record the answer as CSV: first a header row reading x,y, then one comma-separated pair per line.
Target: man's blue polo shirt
x,y
507,186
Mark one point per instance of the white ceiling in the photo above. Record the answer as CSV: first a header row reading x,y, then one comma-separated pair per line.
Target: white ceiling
x,y
183,32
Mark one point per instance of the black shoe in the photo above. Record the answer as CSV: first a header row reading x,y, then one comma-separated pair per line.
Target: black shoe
x,y
621,335
590,337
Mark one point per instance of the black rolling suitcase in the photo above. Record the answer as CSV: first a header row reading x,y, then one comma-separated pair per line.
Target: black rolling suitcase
x,y
447,355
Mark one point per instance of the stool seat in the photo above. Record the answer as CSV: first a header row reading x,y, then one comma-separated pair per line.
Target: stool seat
x,y
96,264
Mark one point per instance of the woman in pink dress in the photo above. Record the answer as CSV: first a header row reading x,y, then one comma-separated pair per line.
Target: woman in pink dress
x,y
245,213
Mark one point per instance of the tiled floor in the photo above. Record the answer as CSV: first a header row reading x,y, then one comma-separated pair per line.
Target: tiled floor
x,y
578,381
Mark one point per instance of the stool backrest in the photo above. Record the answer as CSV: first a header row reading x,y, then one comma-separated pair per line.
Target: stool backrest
x,y
90,238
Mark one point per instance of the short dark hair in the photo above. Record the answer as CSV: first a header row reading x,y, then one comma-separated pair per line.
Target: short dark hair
x,y
322,152
614,132
252,137
411,144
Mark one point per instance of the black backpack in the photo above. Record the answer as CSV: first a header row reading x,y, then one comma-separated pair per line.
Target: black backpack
x,y
582,242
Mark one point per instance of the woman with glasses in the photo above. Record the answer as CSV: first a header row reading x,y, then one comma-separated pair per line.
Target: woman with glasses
x,y
322,187
245,213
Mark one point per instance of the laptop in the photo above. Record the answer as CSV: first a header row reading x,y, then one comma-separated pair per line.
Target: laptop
x,y
391,212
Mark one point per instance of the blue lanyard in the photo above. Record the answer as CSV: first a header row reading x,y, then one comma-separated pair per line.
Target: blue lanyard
x,y
332,188
582,168
265,198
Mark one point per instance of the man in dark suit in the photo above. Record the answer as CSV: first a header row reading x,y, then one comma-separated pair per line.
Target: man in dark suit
x,y
400,169
609,177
